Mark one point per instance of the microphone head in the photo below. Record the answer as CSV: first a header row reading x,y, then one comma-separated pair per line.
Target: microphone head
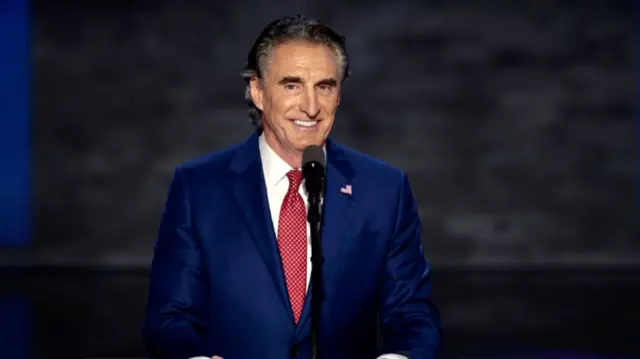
x,y
313,164
313,153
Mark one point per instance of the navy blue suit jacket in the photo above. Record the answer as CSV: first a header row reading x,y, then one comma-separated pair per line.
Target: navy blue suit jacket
x,y
217,286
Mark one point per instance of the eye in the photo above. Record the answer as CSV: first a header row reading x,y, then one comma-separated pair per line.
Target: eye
x,y
291,86
325,88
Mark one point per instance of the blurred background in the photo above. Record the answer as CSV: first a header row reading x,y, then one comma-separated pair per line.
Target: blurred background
x,y
516,121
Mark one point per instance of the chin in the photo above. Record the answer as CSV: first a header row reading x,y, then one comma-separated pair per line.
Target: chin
x,y
310,141
300,146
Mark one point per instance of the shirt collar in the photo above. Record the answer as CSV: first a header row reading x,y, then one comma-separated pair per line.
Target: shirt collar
x,y
274,167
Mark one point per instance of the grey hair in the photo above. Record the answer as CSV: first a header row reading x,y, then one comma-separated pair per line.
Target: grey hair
x,y
285,29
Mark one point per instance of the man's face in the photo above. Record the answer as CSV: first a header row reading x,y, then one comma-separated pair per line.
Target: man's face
x,y
299,96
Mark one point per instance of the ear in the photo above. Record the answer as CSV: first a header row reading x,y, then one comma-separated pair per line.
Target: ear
x,y
257,93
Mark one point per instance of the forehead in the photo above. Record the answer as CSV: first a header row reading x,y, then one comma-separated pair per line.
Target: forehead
x,y
303,59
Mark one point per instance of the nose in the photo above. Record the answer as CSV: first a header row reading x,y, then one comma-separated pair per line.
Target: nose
x,y
309,103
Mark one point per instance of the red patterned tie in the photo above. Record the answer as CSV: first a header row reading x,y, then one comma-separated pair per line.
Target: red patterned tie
x,y
292,241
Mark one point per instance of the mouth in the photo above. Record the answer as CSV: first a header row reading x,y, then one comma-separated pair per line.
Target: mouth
x,y
305,124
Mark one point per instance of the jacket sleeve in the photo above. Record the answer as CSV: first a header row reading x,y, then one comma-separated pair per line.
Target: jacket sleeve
x,y
410,322
174,324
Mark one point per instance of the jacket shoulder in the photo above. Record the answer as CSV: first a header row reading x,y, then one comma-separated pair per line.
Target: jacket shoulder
x,y
214,161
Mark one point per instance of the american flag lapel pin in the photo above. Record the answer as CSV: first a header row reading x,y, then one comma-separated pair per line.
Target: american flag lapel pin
x,y
346,190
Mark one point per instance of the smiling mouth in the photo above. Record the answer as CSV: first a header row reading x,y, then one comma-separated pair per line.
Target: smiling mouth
x,y
305,123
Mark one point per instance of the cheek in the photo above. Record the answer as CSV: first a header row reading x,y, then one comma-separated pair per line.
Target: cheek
x,y
271,105
279,106
330,105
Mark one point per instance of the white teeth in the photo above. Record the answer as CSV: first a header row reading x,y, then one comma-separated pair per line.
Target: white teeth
x,y
305,123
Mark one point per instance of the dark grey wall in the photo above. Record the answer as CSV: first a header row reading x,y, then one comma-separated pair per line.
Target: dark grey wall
x,y
514,119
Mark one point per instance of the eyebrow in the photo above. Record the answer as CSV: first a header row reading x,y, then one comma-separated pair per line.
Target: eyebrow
x,y
295,79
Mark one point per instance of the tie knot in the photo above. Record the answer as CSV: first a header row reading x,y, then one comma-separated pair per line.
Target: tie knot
x,y
295,178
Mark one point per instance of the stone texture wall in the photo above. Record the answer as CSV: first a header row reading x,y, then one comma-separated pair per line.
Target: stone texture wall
x,y
514,119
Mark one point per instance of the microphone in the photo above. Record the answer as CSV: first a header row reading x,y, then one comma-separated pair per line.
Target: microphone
x,y
313,171
313,163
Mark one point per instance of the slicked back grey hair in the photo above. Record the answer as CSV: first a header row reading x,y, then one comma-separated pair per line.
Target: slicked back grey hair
x,y
285,29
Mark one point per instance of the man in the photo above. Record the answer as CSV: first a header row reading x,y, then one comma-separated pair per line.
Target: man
x,y
230,274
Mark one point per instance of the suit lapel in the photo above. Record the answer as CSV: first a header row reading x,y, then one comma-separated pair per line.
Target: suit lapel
x,y
337,205
336,215
250,192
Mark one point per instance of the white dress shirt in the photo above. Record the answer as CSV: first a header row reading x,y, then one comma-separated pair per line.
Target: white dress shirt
x,y
277,183
275,177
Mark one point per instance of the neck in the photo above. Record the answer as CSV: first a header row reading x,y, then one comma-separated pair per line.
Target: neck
x,y
292,157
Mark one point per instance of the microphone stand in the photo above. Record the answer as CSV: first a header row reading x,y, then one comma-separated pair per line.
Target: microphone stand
x,y
317,260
